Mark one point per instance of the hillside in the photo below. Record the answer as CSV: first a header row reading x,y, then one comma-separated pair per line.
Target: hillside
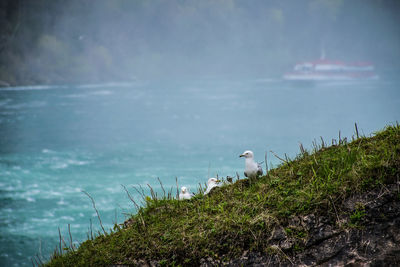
x,y
336,204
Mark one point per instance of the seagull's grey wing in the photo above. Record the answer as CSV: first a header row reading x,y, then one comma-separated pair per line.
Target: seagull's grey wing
x,y
245,174
259,170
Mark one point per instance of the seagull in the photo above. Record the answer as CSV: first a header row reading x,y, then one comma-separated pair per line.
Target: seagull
x,y
252,169
185,194
211,183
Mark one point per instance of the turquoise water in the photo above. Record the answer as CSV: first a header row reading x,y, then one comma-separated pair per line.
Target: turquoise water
x,y
56,141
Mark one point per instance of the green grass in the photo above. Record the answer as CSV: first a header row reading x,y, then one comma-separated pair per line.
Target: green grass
x,y
241,216
357,216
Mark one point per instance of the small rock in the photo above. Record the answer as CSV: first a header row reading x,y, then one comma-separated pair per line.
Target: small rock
x,y
308,221
286,244
278,234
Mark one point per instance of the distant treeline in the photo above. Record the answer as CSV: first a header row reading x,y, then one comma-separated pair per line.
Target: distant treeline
x,y
57,41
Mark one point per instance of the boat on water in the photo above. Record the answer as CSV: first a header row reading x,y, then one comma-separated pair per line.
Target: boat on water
x,y
328,70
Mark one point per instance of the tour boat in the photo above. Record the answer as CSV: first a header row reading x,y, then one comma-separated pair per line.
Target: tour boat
x,y
326,70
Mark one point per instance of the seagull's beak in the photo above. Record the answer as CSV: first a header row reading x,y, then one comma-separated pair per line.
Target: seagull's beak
x,y
218,181
241,156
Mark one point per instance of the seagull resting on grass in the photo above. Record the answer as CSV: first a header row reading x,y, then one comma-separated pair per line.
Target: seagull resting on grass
x,y
185,194
211,183
252,168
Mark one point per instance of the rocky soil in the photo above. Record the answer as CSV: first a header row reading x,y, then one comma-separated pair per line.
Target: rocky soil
x,y
370,239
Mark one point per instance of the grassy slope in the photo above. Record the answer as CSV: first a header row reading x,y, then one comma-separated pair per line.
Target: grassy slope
x,y
242,216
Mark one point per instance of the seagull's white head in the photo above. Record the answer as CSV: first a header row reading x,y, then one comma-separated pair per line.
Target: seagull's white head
x,y
247,154
212,181
183,190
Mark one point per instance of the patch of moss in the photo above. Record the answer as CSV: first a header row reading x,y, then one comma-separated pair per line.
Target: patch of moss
x,y
357,216
242,216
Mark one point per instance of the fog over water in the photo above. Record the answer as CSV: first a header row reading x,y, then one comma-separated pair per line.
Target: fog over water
x,y
125,92
78,41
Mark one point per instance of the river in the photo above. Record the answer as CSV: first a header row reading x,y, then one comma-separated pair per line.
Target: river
x,y
58,141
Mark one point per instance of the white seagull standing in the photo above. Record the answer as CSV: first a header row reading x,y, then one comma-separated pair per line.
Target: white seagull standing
x,y
252,168
211,183
185,194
